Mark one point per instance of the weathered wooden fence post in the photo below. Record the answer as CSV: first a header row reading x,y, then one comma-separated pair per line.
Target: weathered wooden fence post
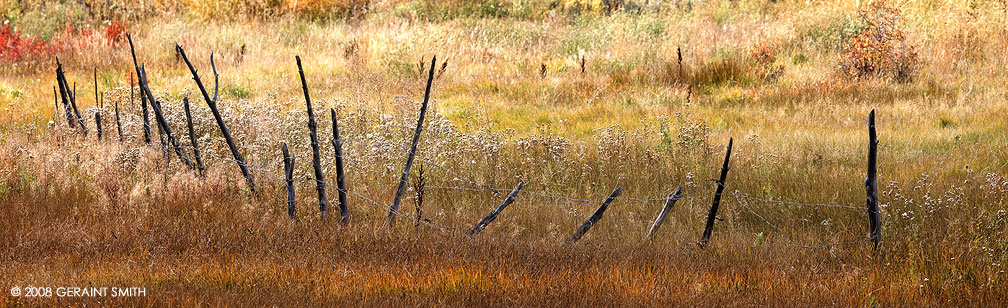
x,y
97,119
340,175
413,147
55,97
118,123
63,94
213,109
65,100
717,198
594,217
143,99
97,99
669,203
871,185
289,179
73,103
192,136
161,120
146,119
493,214
69,98
316,163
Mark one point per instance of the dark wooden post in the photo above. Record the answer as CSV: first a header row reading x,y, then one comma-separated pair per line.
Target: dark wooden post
x,y
55,97
340,175
143,99
213,109
97,118
316,164
97,99
289,179
678,51
871,185
73,103
594,217
717,198
73,117
161,120
118,123
192,136
146,119
65,99
413,147
669,203
493,214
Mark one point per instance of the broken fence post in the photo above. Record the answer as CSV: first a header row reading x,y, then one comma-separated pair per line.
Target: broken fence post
x,y
69,98
118,123
161,120
192,136
594,217
316,163
340,175
63,94
871,185
73,103
289,180
97,119
55,104
717,198
213,109
493,214
146,119
669,203
413,147
97,99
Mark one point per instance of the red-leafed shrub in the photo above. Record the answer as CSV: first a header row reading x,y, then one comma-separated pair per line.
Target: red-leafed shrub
x,y
115,32
763,62
73,39
880,49
14,47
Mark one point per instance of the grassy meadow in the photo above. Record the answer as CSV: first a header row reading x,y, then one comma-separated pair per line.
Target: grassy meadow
x,y
574,98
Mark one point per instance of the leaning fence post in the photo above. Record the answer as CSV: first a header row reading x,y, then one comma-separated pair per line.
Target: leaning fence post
x,y
69,98
161,120
871,185
340,175
213,109
594,217
73,103
316,164
146,119
717,198
493,214
289,179
65,97
413,147
63,94
669,203
192,136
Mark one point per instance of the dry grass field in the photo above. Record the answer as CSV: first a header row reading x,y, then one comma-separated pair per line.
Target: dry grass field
x,y
574,98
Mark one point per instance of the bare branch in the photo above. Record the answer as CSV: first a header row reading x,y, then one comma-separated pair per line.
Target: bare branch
x,y
216,80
